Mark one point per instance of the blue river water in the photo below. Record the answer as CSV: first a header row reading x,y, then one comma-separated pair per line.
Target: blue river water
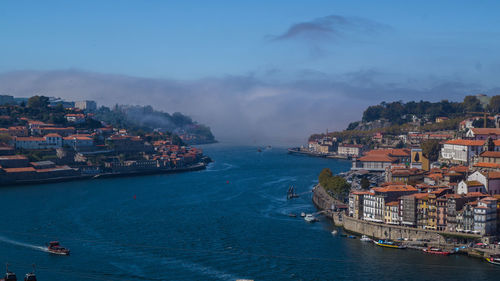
x,y
227,222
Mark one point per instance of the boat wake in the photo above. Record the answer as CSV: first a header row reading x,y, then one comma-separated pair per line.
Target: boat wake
x,y
22,244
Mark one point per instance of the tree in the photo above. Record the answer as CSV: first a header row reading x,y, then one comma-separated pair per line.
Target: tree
x,y
335,185
431,149
38,102
494,105
5,138
472,103
479,123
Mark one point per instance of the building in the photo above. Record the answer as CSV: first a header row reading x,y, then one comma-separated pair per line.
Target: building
x,y
454,203
78,141
356,204
392,212
49,141
87,105
350,150
374,202
485,216
75,118
483,133
405,175
422,203
374,162
408,210
418,160
461,151
468,186
441,214
13,161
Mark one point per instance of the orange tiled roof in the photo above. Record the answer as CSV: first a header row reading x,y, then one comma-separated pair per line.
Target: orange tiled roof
x,y
485,131
466,142
29,139
392,203
476,194
460,169
487,165
394,188
18,170
360,192
421,195
53,135
495,154
494,175
391,152
377,158
11,157
473,183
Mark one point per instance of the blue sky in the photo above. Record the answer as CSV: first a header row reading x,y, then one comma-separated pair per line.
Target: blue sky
x,y
252,61
193,39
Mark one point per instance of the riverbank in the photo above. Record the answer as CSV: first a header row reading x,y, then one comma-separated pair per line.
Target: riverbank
x,y
299,151
415,238
131,173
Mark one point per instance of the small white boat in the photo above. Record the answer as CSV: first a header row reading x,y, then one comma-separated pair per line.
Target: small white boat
x,y
334,232
365,238
309,218
302,214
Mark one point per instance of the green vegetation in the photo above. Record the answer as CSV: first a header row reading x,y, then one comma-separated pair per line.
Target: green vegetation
x,y
336,186
399,112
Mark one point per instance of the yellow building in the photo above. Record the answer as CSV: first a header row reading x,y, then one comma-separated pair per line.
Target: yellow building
x,y
418,160
391,212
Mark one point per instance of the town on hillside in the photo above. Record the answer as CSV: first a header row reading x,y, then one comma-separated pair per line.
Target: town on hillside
x,y
438,171
45,139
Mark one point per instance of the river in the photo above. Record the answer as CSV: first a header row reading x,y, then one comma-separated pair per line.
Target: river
x,y
227,222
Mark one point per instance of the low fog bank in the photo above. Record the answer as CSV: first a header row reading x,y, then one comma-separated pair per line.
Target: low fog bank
x,y
239,109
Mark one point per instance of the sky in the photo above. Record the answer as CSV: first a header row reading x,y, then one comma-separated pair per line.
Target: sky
x,y
259,71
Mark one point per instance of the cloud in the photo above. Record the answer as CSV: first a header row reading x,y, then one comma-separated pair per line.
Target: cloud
x,y
330,27
243,109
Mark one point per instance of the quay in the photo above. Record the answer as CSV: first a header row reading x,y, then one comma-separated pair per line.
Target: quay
x,y
415,238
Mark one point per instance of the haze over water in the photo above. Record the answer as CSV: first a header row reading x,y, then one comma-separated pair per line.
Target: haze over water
x,y
227,222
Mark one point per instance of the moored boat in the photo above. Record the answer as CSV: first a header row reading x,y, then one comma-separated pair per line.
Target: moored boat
x,y
494,260
436,251
310,218
55,248
389,244
302,214
9,276
365,238
334,232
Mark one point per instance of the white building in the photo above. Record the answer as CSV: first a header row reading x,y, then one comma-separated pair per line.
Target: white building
x,y
50,141
87,105
461,151
350,150
485,216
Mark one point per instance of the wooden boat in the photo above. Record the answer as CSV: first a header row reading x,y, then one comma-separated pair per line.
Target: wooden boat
x,y
494,260
389,244
436,251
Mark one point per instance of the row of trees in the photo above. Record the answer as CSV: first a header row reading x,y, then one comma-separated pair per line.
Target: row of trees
x,y
398,111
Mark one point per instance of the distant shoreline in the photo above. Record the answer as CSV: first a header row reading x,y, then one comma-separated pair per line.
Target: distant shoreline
x,y
297,150
195,167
